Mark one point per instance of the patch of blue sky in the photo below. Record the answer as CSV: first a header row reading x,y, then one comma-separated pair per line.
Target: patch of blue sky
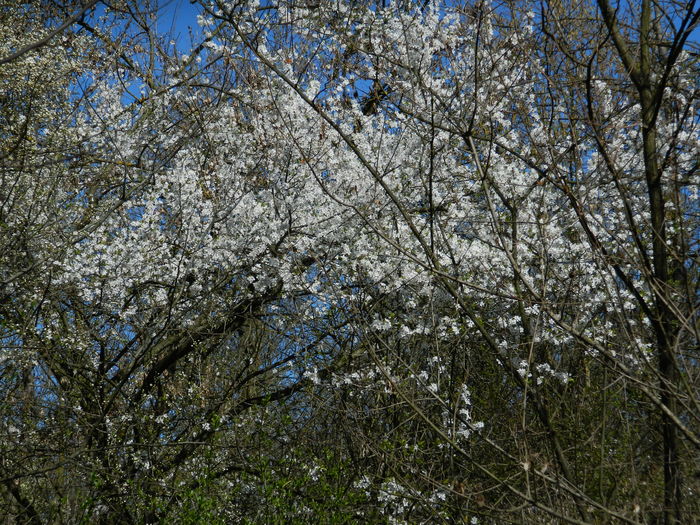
x,y
175,21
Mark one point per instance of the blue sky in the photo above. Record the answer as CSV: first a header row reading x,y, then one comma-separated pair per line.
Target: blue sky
x,y
177,17
180,18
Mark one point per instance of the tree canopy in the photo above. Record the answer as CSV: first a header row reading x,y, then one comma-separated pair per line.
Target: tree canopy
x,y
350,262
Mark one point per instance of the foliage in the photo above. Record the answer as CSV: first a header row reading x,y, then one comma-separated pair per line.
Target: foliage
x,y
346,262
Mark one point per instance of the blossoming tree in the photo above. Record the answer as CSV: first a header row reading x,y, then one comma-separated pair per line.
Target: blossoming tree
x,y
352,261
